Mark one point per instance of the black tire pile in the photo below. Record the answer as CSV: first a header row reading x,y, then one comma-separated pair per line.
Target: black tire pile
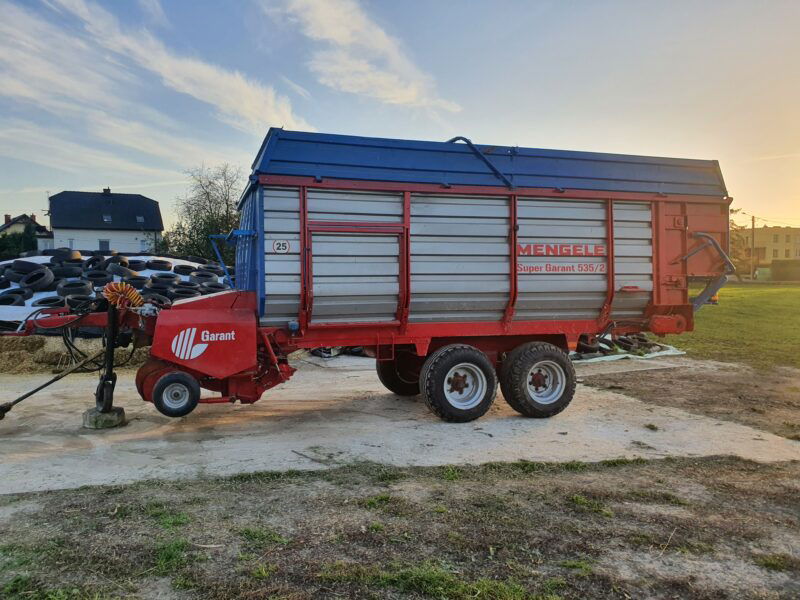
x,y
76,279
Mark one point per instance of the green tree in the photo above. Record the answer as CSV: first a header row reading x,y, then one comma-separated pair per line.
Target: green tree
x,y
13,244
208,207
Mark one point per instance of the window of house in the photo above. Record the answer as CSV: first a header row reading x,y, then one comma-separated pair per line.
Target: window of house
x,y
143,246
104,244
107,218
139,219
788,239
71,244
774,253
787,253
775,238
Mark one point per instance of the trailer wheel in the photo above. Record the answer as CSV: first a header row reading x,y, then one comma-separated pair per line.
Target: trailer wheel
x,y
176,394
458,383
537,380
398,376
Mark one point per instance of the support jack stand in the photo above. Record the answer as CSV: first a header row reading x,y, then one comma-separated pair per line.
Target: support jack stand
x,y
105,415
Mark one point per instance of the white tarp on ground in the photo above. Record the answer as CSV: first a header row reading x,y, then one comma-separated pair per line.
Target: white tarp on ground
x,y
20,313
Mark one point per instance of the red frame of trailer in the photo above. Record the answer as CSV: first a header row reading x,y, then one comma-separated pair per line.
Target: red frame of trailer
x,y
674,317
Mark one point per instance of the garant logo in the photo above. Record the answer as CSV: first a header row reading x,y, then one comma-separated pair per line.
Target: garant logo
x,y
183,345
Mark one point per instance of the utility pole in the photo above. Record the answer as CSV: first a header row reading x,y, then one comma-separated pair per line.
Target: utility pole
x,y
752,247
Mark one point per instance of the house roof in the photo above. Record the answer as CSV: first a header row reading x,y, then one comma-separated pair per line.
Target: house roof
x,y
22,220
101,210
323,155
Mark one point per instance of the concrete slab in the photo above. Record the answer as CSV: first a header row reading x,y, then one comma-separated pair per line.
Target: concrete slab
x,y
327,416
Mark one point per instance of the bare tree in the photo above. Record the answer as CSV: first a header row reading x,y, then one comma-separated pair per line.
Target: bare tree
x,y
208,207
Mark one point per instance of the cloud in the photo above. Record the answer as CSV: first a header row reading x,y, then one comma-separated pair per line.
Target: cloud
x,y
239,101
296,88
155,12
357,56
52,148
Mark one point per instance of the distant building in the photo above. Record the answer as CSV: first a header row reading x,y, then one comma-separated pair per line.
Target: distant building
x,y
105,221
20,223
772,243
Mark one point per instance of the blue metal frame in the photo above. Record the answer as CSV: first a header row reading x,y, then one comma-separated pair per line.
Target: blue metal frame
x,y
231,239
354,158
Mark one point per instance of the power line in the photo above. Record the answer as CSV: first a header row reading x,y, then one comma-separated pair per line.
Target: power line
x,y
768,220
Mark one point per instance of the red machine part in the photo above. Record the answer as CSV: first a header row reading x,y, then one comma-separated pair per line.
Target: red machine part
x,y
213,335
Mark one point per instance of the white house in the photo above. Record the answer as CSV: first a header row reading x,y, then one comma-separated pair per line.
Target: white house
x,y
105,221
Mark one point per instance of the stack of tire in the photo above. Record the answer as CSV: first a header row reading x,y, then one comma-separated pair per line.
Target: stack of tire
x,y
78,280
179,282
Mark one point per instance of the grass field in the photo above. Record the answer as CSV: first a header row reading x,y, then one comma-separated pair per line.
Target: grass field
x,y
756,324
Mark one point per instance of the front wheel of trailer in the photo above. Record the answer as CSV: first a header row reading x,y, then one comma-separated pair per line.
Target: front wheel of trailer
x,y
176,394
458,383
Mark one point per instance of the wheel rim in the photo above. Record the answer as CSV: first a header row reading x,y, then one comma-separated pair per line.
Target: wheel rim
x,y
546,382
465,386
176,395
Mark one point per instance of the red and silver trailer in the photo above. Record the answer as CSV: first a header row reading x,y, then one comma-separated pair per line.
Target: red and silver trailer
x,y
457,266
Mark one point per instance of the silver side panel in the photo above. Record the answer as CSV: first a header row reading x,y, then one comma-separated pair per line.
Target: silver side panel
x,y
282,285
338,205
561,287
459,258
633,258
356,277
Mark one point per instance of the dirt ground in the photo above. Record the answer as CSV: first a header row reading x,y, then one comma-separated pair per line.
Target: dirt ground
x,y
673,528
764,399
337,413
331,487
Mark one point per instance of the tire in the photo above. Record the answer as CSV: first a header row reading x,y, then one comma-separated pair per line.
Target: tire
x,y
4,283
93,263
24,293
176,394
178,293
215,269
183,269
398,377
155,298
79,300
67,271
50,301
212,287
62,254
116,259
159,265
11,300
70,288
137,281
25,266
98,278
54,285
167,279
120,271
197,259
13,275
471,368
37,280
135,264
188,285
202,277
537,380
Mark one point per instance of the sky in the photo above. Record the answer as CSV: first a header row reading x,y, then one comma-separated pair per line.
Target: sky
x,y
131,94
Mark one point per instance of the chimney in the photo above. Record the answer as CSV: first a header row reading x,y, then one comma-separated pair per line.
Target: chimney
x,y
106,190
8,219
33,217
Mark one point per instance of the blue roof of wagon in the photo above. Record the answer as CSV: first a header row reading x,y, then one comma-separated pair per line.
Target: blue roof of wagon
x,y
459,162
